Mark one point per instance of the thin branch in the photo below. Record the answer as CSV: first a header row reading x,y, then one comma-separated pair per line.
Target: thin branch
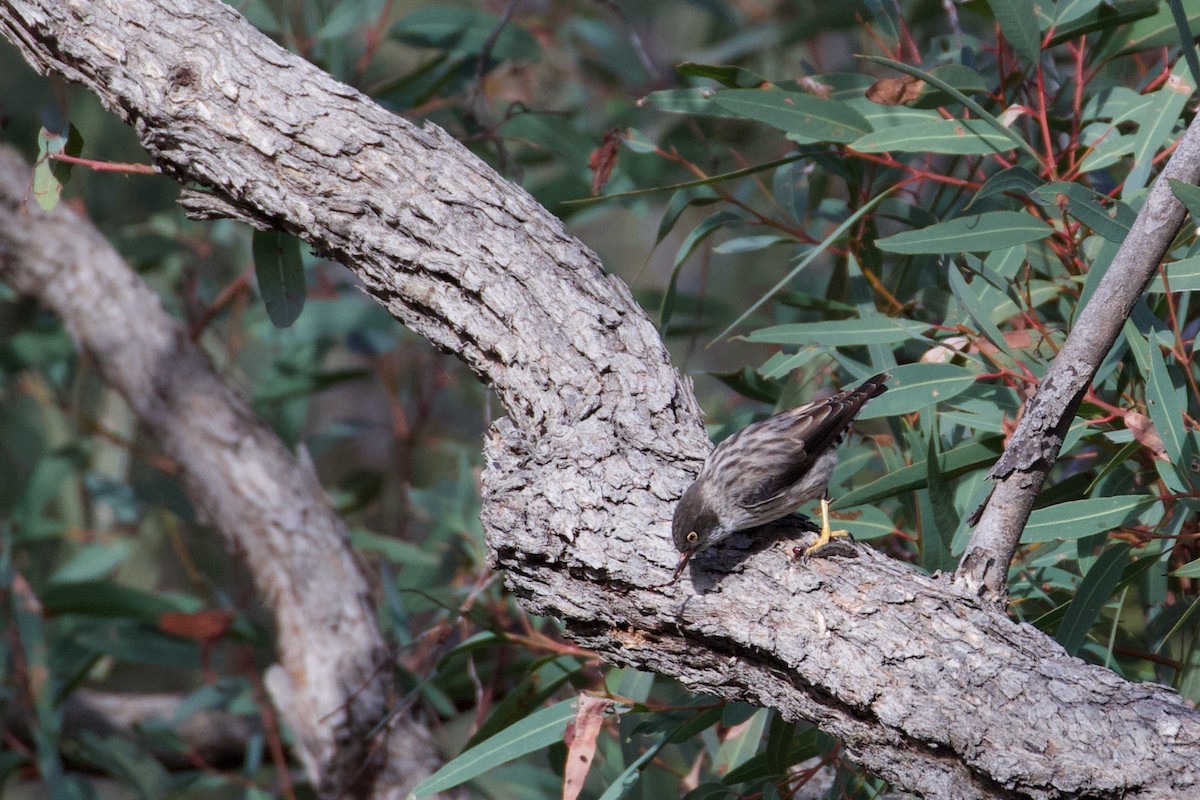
x,y
1034,446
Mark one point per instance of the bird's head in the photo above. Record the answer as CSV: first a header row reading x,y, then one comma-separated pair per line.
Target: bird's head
x,y
694,526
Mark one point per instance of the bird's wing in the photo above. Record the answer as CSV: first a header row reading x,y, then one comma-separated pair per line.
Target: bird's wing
x,y
788,444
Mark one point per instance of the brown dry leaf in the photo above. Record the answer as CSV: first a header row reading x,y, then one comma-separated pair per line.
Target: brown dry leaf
x,y
581,742
202,626
1144,432
895,91
604,158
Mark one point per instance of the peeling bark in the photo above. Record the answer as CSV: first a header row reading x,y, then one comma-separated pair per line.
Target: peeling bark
x,y
929,688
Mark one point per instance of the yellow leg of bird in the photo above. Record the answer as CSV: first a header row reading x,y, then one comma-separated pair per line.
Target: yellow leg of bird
x,y
826,534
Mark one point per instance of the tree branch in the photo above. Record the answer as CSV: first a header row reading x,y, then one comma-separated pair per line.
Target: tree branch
x,y
333,683
1033,447
928,688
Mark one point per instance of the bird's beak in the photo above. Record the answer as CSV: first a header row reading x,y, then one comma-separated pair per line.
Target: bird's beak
x,y
683,560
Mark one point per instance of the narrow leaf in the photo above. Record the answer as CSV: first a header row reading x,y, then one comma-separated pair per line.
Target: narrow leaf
x,y
806,260
949,136
966,296
979,110
1165,410
533,733
915,386
841,332
1094,591
280,273
1079,518
815,118
1019,24
992,230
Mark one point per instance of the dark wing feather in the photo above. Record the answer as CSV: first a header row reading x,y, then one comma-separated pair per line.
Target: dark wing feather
x,y
795,439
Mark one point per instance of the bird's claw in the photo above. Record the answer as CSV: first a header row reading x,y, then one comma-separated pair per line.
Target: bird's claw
x,y
825,535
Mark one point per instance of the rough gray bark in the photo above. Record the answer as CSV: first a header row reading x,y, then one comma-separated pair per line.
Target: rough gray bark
x,y
333,683
927,687
1034,445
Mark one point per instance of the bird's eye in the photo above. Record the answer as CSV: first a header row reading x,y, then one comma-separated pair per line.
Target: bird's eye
x,y
692,536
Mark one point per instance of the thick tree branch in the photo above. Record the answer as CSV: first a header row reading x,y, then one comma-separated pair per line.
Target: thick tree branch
x,y
930,689
333,683
1034,445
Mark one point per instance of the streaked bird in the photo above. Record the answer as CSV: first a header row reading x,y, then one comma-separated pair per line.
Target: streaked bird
x,y
764,471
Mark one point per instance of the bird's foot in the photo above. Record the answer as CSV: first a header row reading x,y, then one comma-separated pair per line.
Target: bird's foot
x,y
825,535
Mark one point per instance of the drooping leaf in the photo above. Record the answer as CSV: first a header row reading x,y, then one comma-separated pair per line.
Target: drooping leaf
x,y
1094,591
1019,23
280,273
1163,404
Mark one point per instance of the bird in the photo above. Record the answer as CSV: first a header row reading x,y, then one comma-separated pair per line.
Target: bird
x,y
764,471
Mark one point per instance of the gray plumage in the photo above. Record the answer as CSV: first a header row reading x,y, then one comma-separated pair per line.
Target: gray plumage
x,y
764,471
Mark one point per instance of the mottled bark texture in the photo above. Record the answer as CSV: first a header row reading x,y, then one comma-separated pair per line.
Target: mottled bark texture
x,y
929,688
333,683
1034,445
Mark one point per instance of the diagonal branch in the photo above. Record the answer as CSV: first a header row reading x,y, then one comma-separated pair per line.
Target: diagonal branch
x,y
926,687
1034,445
333,684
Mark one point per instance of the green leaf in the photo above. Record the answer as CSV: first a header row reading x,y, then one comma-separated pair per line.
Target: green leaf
x,y
1019,23
1017,180
989,231
1156,28
961,458
345,17
393,549
93,562
736,750
107,599
1094,591
980,111
50,175
280,272
533,733
1155,128
779,739
465,31
1189,195
841,332
698,234
625,782
1165,410
1079,518
686,101
730,76
807,259
803,746
950,136
815,118
1110,219
1188,570
965,293
915,386
864,522
944,521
